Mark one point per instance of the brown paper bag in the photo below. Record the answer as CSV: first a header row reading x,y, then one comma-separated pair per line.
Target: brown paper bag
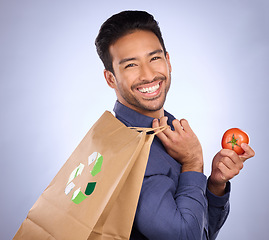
x,y
95,193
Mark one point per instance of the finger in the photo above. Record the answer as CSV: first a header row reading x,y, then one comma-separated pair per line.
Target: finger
x,y
186,127
232,160
223,171
155,123
232,166
163,121
228,162
168,132
230,154
177,126
161,135
249,152
228,173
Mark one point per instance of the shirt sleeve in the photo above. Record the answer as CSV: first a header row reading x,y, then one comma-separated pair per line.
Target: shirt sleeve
x,y
218,210
169,211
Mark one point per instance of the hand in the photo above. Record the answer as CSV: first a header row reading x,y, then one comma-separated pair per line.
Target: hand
x,y
181,144
225,166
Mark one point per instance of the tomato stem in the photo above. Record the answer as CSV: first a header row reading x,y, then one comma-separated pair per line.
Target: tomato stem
x,y
234,142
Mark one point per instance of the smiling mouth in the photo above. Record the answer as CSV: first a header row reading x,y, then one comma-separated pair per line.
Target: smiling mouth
x,y
149,89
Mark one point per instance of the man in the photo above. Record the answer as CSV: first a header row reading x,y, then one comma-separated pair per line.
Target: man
x,y
177,201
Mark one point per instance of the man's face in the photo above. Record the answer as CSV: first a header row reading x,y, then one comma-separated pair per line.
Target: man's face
x,y
142,72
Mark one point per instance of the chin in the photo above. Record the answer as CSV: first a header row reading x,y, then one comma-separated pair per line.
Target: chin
x,y
155,107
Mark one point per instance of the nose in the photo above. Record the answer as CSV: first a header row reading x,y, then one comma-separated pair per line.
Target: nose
x,y
147,73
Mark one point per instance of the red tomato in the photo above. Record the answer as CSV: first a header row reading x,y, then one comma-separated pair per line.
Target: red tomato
x,y
233,138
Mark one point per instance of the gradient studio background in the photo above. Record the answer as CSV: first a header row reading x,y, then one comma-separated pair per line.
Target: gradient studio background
x,y
52,91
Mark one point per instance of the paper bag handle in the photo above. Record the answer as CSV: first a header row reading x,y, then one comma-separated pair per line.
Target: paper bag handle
x,y
147,130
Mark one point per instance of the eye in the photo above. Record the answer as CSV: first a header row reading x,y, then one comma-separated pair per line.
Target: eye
x,y
155,58
130,65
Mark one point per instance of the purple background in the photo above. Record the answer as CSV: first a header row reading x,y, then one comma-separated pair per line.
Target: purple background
x,y
52,90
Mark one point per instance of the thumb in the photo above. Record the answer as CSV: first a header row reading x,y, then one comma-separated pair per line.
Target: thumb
x,y
249,152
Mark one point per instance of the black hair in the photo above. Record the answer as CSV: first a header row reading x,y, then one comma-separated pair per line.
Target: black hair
x,y
119,25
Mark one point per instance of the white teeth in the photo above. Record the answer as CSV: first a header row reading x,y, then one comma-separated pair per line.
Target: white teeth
x,y
150,89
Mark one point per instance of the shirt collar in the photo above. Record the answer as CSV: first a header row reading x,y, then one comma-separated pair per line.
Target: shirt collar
x,y
132,118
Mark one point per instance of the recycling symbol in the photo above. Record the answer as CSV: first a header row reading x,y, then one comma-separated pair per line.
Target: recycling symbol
x,y
80,195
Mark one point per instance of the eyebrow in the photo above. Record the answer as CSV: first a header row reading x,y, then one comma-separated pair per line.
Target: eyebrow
x,y
127,60
134,58
156,51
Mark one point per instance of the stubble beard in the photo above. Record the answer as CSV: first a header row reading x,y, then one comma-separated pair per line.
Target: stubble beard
x,y
136,103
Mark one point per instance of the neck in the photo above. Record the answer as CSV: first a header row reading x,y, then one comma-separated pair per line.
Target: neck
x,y
154,114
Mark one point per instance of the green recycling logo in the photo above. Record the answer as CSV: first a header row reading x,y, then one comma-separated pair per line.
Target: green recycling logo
x,y
78,195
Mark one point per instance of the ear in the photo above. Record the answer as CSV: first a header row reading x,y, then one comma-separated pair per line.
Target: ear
x,y
168,61
110,78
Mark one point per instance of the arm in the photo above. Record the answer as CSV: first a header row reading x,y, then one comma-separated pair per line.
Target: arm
x,y
183,146
218,210
171,211
225,166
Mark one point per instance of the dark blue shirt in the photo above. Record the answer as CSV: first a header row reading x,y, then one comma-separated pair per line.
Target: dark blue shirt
x,y
173,205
